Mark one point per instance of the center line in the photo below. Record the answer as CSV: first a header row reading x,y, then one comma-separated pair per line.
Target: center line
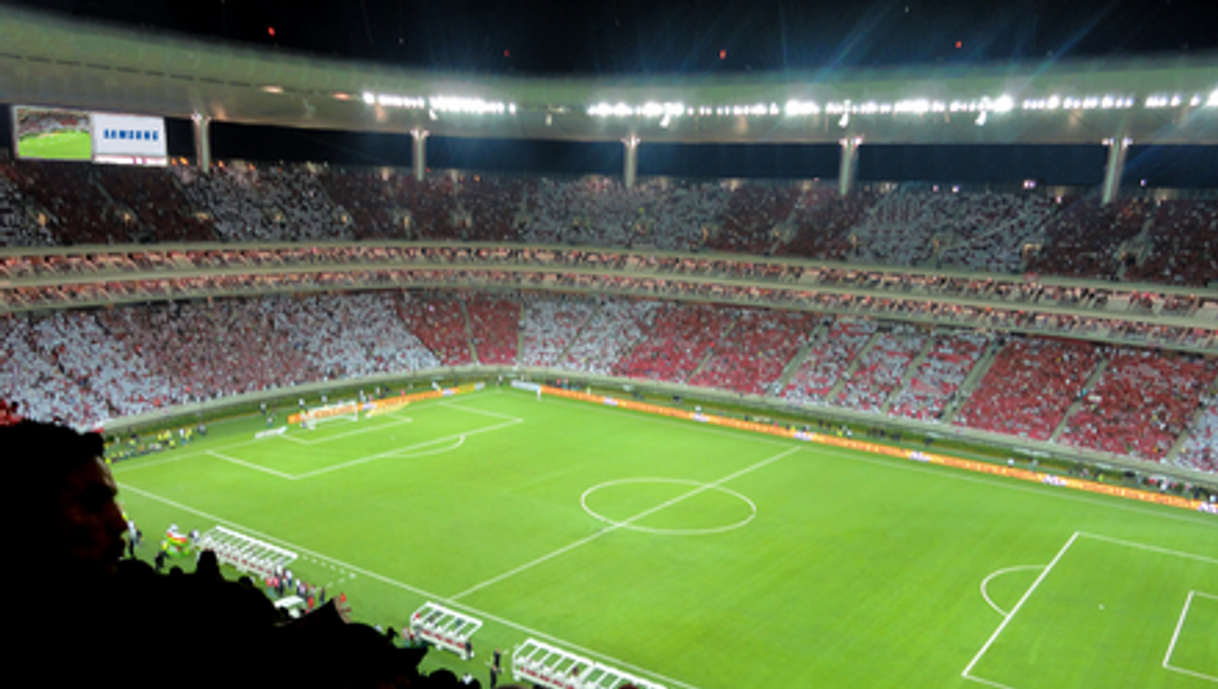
x,y
645,513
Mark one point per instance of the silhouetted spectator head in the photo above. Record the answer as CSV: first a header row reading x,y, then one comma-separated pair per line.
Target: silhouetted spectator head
x,y
73,525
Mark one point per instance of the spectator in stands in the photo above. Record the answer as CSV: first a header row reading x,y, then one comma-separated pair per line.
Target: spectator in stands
x,y
72,530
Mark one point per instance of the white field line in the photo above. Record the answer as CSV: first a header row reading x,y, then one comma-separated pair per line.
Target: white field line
x,y
400,450
132,465
917,467
412,589
613,527
1174,637
1151,548
1006,620
986,582
450,405
369,428
250,465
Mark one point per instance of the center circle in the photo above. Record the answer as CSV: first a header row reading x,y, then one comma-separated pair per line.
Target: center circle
x,y
583,501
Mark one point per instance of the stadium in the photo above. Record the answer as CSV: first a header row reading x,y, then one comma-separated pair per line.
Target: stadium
x,y
842,419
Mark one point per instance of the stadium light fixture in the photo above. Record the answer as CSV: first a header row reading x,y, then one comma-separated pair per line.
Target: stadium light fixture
x,y
981,118
1213,100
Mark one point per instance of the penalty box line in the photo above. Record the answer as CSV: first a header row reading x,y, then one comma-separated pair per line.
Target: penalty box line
x,y
460,437
1028,594
967,674
124,467
1171,648
411,589
619,525
408,448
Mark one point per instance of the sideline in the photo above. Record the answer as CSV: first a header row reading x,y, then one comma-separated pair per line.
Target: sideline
x,y
411,589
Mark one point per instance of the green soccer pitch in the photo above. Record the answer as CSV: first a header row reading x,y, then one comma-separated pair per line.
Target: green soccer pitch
x,y
63,145
706,557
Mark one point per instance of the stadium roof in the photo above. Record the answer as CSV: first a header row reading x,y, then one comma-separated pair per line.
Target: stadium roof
x,y
46,60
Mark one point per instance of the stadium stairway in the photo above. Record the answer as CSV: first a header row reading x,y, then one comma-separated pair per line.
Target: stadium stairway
x,y
854,365
562,356
814,339
910,372
469,333
1078,403
711,352
520,325
1170,457
970,382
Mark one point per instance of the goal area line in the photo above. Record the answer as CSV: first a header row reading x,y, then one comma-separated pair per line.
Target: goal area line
x,y
967,673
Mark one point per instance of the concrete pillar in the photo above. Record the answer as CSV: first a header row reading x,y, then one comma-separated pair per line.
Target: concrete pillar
x,y
849,170
1114,168
202,127
630,165
419,155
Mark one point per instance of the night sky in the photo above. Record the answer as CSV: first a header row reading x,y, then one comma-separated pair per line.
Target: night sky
x,y
699,36
691,37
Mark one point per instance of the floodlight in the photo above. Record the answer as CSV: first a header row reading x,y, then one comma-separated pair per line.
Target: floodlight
x,y
369,98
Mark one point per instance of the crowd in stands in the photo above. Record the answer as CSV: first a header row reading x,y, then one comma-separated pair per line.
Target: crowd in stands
x,y
1200,451
970,231
679,340
910,225
494,325
881,369
1183,245
938,377
440,324
610,334
85,367
550,326
911,307
754,219
1141,404
828,360
753,354
353,335
1087,240
1029,387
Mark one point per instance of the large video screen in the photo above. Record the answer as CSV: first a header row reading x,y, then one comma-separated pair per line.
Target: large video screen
x,y
52,133
44,133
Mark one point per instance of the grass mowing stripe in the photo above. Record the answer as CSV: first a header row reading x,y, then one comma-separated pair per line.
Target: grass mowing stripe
x,y
412,589
613,527
956,474
1006,620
